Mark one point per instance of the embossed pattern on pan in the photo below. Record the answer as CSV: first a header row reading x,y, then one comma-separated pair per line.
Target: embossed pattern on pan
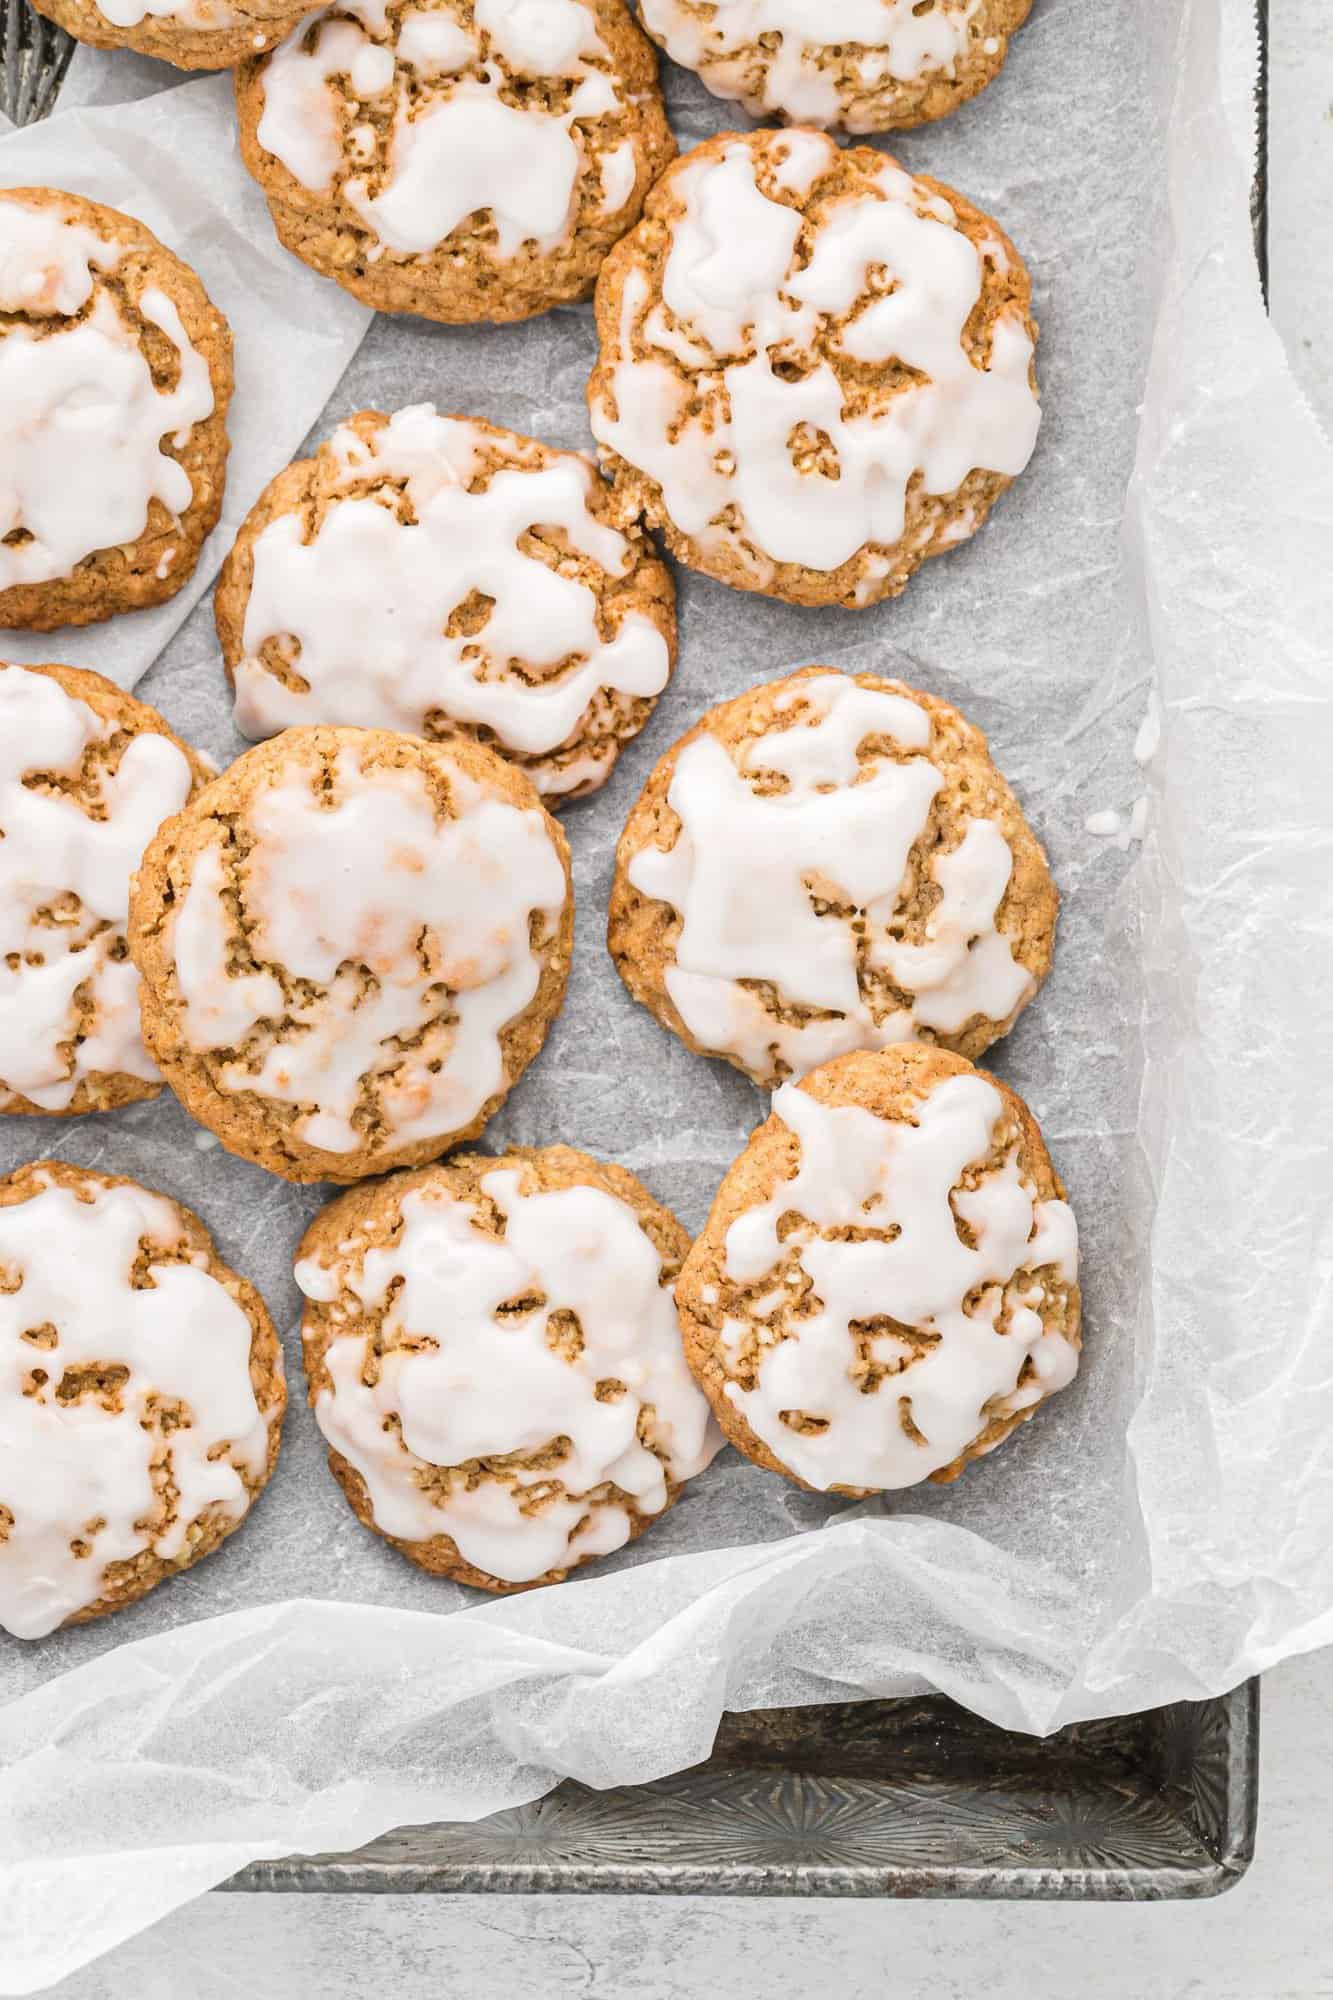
x,y
883,1798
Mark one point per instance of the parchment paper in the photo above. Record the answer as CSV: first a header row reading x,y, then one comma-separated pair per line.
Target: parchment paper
x,y
1163,1529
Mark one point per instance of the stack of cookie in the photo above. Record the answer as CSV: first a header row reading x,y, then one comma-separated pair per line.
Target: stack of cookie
x,y
341,953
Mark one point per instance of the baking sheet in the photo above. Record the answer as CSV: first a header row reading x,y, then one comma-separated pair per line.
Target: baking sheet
x,y
1163,1528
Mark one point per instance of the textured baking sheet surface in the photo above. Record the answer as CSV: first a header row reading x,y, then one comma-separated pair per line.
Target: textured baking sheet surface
x,y
911,1797
1169,534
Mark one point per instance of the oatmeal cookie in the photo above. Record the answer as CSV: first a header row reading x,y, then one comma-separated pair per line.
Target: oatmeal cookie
x,y
115,374
815,371
888,1282
438,575
494,1359
141,1395
87,775
193,34
462,161
863,65
352,944
827,863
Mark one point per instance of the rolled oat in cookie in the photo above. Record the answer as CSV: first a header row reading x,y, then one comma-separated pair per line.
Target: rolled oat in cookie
x,y
462,159
494,1360
141,1395
352,943
888,1282
815,370
438,575
115,374
192,34
827,863
87,775
864,65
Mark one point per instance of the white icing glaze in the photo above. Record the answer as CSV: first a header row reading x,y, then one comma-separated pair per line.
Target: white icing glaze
x,y
880,1174
1148,740
619,170
56,858
898,41
458,148
739,290
300,122
799,159
47,259
539,37
747,868
80,1471
434,44
203,15
468,153
490,1384
81,419
1120,830
436,911
369,600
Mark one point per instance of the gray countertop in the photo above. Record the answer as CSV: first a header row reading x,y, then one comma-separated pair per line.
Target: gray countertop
x,y
1269,1940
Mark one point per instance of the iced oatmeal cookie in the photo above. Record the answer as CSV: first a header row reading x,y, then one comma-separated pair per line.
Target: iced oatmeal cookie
x,y
888,1282
462,159
864,65
193,34
115,374
141,1395
495,1362
352,944
437,575
815,370
87,775
827,863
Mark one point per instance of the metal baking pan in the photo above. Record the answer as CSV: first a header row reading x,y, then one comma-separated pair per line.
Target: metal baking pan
x,y
880,1798
873,1798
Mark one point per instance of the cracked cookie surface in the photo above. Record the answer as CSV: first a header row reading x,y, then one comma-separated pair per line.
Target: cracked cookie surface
x,y
192,34
442,576
352,943
815,371
115,375
87,775
893,64
494,1360
141,1395
887,1284
462,159
826,863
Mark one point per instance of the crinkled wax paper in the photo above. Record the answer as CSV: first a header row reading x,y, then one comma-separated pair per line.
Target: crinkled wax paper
x,y
1163,1529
